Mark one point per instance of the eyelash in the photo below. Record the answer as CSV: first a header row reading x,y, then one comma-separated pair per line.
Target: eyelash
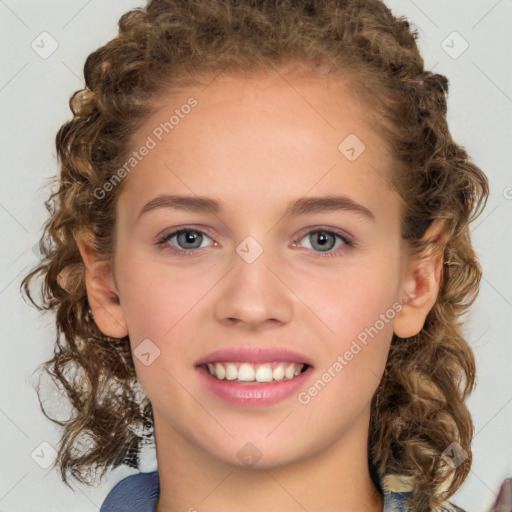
x,y
164,239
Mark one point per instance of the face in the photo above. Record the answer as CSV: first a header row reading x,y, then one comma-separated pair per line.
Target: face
x,y
252,280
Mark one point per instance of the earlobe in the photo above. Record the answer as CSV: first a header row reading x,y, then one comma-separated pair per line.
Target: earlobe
x,y
102,293
421,285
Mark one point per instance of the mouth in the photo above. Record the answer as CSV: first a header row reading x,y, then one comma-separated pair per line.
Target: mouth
x,y
243,372
246,376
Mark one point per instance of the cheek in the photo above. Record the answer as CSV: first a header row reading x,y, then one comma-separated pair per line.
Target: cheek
x,y
352,298
363,327
354,358
158,308
356,307
155,301
166,307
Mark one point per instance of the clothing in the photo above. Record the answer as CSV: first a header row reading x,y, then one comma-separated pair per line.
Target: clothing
x,y
139,493
135,493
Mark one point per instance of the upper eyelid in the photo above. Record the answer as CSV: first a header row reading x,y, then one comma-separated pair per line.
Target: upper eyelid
x,y
174,231
336,231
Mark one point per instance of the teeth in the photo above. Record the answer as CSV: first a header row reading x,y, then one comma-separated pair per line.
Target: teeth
x,y
264,373
231,371
247,372
278,373
290,371
219,371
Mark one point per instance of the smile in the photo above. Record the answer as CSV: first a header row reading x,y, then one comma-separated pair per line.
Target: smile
x,y
251,373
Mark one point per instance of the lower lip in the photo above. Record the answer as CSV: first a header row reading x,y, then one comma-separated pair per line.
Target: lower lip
x,y
239,394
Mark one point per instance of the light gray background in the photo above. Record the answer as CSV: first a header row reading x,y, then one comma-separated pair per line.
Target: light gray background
x,y
34,93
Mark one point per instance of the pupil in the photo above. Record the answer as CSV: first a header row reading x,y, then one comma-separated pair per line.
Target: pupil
x,y
190,237
323,238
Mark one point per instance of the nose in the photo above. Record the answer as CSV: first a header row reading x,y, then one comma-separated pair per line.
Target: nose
x,y
254,294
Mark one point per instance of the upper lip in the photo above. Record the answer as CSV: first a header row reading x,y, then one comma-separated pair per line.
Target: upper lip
x,y
254,355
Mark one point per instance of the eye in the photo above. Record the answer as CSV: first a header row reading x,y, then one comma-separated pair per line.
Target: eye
x,y
188,241
324,241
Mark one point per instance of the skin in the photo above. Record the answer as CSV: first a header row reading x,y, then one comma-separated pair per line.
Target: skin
x,y
254,145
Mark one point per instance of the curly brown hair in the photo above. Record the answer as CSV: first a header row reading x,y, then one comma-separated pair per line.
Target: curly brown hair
x,y
419,407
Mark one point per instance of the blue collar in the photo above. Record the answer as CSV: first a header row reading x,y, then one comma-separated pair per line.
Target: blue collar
x,y
140,492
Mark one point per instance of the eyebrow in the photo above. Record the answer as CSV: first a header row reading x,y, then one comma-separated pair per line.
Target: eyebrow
x,y
301,206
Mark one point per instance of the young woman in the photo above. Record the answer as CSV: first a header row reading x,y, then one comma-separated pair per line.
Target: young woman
x,y
260,253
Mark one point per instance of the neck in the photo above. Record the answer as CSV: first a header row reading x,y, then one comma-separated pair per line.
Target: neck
x,y
336,478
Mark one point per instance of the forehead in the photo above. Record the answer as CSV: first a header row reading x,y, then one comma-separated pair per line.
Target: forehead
x,y
316,99
273,134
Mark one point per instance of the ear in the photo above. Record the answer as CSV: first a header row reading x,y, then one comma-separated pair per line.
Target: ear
x,y
102,293
421,283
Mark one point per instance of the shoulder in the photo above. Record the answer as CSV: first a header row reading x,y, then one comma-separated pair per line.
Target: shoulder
x,y
397,502
398,489
135,493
